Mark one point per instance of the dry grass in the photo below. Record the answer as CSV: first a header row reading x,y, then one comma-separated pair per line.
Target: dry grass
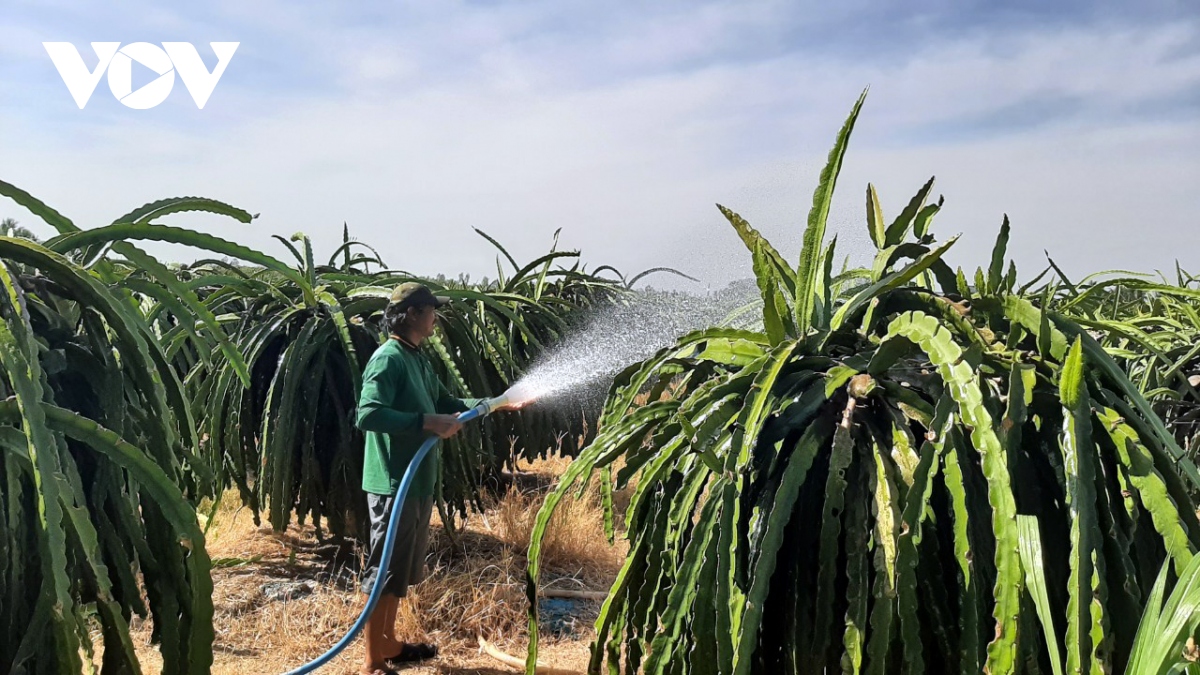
x,y
574,541
475,586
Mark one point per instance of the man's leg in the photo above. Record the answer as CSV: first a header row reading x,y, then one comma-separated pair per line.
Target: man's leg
x,y
409,564
390,644
374,640
375,644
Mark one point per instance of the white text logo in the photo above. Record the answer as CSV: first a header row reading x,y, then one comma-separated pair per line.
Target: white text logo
x,y
172,57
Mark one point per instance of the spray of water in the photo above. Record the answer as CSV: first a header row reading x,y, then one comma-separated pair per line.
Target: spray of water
x,y
620,335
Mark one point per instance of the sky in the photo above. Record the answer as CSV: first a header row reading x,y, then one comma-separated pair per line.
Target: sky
x,y
624,124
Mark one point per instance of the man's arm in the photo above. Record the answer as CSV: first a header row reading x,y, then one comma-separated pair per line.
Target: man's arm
x,y
375,413
448,403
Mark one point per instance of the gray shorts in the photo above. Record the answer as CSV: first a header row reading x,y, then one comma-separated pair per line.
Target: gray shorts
x,y
407,566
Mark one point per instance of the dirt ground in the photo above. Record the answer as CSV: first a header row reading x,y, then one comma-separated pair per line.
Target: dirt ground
x,y
282,599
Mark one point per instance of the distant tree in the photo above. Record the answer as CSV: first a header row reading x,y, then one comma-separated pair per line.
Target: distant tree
x,y
10,228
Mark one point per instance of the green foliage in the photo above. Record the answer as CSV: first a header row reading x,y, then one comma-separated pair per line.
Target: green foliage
x,y
242,371
96,441
1152,331
271,355
288,441
859,473
896,470
1168,629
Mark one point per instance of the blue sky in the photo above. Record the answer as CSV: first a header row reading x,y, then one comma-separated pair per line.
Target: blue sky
x,y
623,124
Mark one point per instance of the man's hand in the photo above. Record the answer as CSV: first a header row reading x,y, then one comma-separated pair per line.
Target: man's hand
x,y
442,426
512,405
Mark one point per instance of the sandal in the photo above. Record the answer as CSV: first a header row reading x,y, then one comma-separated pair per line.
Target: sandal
x,y
413,652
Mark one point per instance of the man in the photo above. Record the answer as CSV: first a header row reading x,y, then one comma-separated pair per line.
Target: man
x,y
402,404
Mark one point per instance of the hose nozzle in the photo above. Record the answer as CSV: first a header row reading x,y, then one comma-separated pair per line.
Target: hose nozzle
x,y
518,394
488,406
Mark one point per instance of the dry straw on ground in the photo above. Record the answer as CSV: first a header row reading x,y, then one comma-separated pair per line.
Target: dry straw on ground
x,y
475,587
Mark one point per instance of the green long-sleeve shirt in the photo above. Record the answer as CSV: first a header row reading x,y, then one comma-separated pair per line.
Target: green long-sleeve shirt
x,y
399,388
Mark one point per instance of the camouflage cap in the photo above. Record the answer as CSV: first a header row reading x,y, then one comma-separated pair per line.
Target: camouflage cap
x,y
413,294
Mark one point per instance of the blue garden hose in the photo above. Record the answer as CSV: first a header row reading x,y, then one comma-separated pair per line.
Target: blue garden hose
x,y
389,542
